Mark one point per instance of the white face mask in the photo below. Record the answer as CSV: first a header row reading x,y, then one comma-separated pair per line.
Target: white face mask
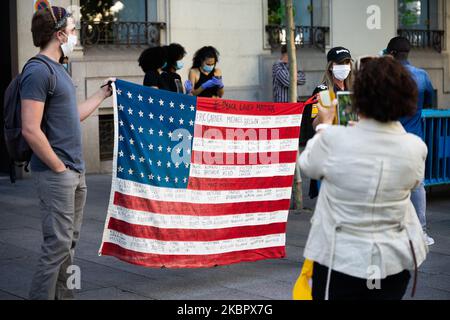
x,y
341,71
69,46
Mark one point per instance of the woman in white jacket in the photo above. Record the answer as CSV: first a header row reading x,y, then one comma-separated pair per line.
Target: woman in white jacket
x,y
365,235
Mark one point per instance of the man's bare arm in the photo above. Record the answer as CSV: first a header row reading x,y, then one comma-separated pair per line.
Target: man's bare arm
x,y
88,107
32,113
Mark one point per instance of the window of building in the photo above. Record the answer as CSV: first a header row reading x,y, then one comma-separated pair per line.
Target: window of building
x,y
120,22
106,131
306,12
418,14
118,10
421,22
311,19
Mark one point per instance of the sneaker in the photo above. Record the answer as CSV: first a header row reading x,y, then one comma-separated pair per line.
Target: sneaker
x,y
429,240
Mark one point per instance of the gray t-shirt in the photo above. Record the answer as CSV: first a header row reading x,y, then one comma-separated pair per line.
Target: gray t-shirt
x,y
61,121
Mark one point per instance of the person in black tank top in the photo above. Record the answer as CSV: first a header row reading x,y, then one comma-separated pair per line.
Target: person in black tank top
x,y
209,92
205,79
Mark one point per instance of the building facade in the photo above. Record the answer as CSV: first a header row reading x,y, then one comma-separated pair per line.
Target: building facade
x,y
247,33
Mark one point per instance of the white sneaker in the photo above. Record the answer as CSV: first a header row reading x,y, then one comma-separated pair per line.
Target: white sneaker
x,y
429,240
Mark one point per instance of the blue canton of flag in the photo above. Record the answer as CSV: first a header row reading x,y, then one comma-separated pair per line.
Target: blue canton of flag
x,y
155,135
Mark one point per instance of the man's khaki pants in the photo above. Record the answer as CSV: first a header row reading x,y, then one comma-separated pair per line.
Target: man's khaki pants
x,y
61,200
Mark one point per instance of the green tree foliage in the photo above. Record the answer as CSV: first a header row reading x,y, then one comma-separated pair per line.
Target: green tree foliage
x,y
409,12
277,12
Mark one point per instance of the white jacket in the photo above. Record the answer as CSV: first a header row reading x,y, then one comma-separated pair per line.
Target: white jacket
x,y
364,216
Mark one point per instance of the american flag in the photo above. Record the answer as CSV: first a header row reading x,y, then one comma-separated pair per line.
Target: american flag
x,y
199,182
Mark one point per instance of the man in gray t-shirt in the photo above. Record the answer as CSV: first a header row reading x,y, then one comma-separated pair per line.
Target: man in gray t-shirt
x,y
51,126
61,120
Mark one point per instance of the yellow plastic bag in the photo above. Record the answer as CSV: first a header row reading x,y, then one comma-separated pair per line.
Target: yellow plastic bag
x,y
302,288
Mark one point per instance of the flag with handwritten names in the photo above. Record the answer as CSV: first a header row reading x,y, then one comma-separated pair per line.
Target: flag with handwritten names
x,y
199,182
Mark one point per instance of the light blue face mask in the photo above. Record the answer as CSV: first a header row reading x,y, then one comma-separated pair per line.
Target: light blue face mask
x,y
180,65
164,66
207,68
383,52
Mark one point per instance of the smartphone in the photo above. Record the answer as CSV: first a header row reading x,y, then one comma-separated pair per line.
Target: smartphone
x,y
325,98
345,111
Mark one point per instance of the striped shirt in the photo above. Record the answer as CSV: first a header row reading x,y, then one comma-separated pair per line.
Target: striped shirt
x,y
280,75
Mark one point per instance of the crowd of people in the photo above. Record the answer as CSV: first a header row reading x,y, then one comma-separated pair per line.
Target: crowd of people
x,y
368,176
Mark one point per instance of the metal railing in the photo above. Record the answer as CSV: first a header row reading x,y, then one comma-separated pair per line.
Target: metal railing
x,y
305,36
436,125
121,33
433,39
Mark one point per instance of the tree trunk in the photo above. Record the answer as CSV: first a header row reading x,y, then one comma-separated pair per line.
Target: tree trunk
x,y
293,96
290,32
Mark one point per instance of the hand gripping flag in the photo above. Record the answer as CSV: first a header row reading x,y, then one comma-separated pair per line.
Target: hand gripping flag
x,y
199,182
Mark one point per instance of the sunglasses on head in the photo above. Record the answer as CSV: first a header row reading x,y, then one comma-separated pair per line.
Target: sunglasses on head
x,y
60,13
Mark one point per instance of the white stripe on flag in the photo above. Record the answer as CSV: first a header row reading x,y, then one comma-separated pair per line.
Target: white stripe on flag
x,y
166,221
250,171
193,248
246,122
244,146
199,196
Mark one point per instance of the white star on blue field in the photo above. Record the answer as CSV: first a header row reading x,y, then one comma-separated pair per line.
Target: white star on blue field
x,y
155,126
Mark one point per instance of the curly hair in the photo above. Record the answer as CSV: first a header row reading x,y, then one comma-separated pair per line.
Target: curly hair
x,y
175,52
45,23
203,54
153,58
384,90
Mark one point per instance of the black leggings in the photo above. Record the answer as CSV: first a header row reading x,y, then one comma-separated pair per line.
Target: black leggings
x,y
345,287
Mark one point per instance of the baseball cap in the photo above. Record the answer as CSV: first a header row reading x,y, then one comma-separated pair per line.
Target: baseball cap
x,y
339,54
399,44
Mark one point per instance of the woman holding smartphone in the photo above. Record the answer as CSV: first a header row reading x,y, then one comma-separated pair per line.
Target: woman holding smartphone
x,y
365,235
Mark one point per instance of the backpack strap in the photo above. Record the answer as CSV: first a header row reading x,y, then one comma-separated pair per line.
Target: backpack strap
x,y
51,91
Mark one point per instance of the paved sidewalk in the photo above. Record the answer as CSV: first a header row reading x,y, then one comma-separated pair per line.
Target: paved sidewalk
x,y
108,278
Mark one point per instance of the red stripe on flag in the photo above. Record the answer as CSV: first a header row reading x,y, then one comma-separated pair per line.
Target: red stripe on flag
x,y
223,184
191,261
191,235
248,108
249,134
197,209
242,159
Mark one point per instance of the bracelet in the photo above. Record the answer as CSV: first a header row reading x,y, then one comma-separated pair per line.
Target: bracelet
x,y
322,126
